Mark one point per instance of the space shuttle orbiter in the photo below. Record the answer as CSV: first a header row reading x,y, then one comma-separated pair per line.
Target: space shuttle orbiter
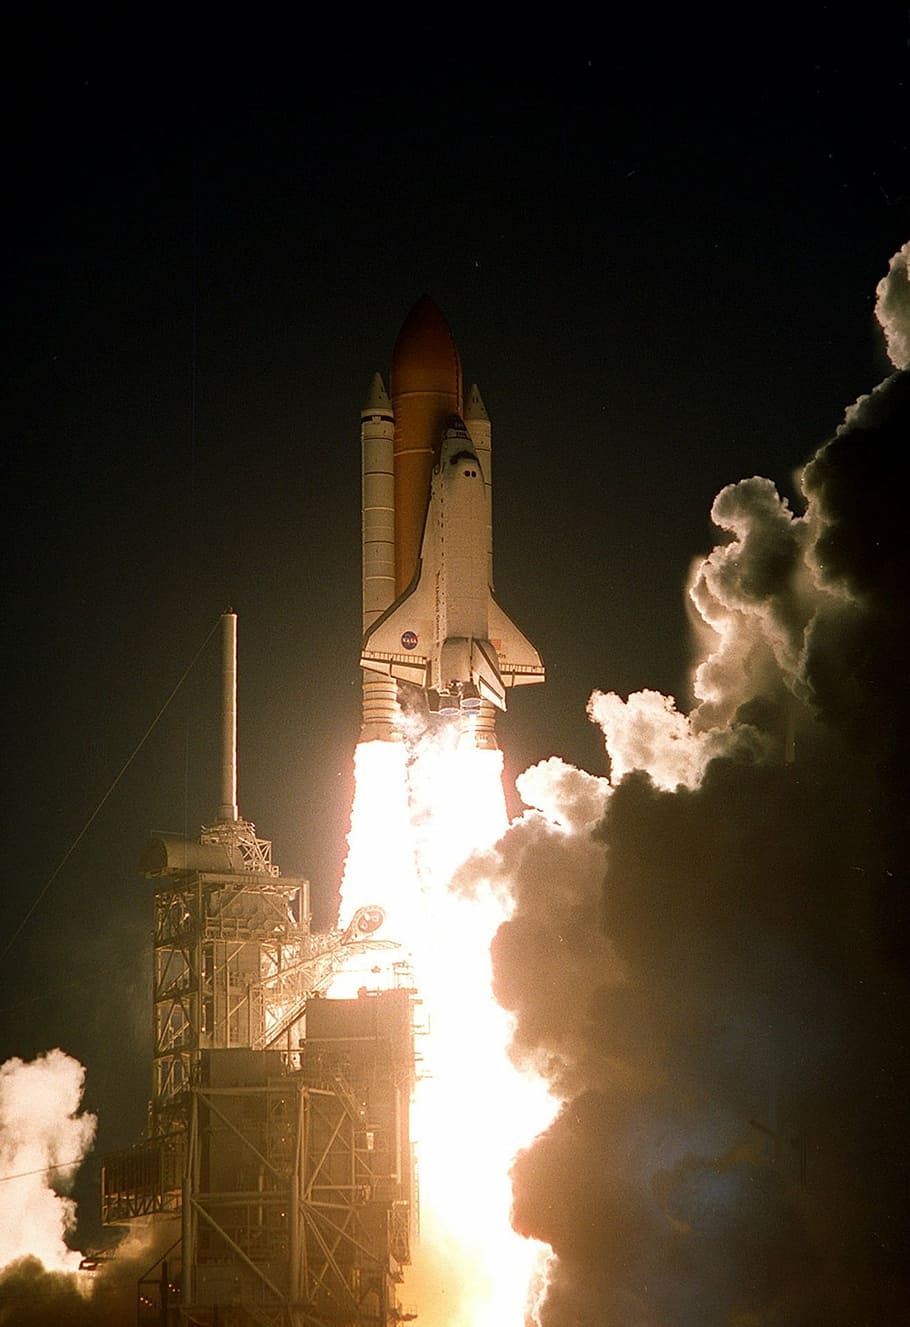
x,y
429,615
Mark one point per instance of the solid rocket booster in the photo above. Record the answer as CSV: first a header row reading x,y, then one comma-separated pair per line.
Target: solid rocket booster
x,y
380,699
429,616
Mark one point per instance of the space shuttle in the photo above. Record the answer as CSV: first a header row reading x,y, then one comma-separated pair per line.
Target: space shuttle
x,y
430,618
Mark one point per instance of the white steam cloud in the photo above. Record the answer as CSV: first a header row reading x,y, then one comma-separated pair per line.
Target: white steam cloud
x,y
43,1137
892,308
753,601
564,795
648,732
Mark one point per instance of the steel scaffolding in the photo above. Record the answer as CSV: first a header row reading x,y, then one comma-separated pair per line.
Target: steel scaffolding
x,y
299,1188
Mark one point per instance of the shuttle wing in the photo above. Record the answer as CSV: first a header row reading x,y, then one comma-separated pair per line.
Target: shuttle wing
x,y
518,661
400,642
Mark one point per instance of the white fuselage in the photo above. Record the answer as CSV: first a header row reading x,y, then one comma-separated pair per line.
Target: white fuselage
x,y
446,633
455,550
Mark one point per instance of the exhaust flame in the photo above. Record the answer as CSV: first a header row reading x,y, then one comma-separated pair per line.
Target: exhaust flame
x,y
42,1139
421,809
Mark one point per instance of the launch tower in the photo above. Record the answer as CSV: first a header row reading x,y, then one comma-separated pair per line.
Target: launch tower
x,y
277,1156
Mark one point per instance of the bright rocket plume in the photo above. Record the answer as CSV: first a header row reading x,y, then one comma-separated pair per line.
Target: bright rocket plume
x,y
427,799
472,1108
43,1138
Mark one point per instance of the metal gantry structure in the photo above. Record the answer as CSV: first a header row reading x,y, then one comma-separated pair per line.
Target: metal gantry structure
x,y
231,944
277,1161
299,1207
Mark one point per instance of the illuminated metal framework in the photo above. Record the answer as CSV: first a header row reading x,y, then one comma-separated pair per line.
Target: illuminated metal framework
x,y
275,1179
301,1183
278,1138
234,962
300,1187
230,943
214,943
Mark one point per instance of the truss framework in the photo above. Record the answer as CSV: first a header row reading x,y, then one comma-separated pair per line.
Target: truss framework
x,y
286,1156
229,964
299,1186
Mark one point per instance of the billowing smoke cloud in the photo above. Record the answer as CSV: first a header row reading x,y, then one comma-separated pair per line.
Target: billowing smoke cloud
x,y
31,1296
752,600
893,307
708,957
43,1138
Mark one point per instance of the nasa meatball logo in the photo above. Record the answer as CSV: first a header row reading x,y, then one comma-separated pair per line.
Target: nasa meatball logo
x,y
409,640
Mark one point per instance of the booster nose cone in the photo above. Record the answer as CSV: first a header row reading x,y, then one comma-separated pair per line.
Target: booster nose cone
x,y
377,402
474,408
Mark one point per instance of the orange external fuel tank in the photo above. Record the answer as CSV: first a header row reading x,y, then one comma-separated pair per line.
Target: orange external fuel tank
x,y
425,389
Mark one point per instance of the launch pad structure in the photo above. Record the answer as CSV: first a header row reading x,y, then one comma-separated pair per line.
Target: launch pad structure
x,y
278,1151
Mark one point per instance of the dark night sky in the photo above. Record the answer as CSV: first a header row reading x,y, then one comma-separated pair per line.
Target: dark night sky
x,y
657,248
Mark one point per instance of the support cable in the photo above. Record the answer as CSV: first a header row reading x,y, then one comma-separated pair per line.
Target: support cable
x,y
42,1170
118,776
